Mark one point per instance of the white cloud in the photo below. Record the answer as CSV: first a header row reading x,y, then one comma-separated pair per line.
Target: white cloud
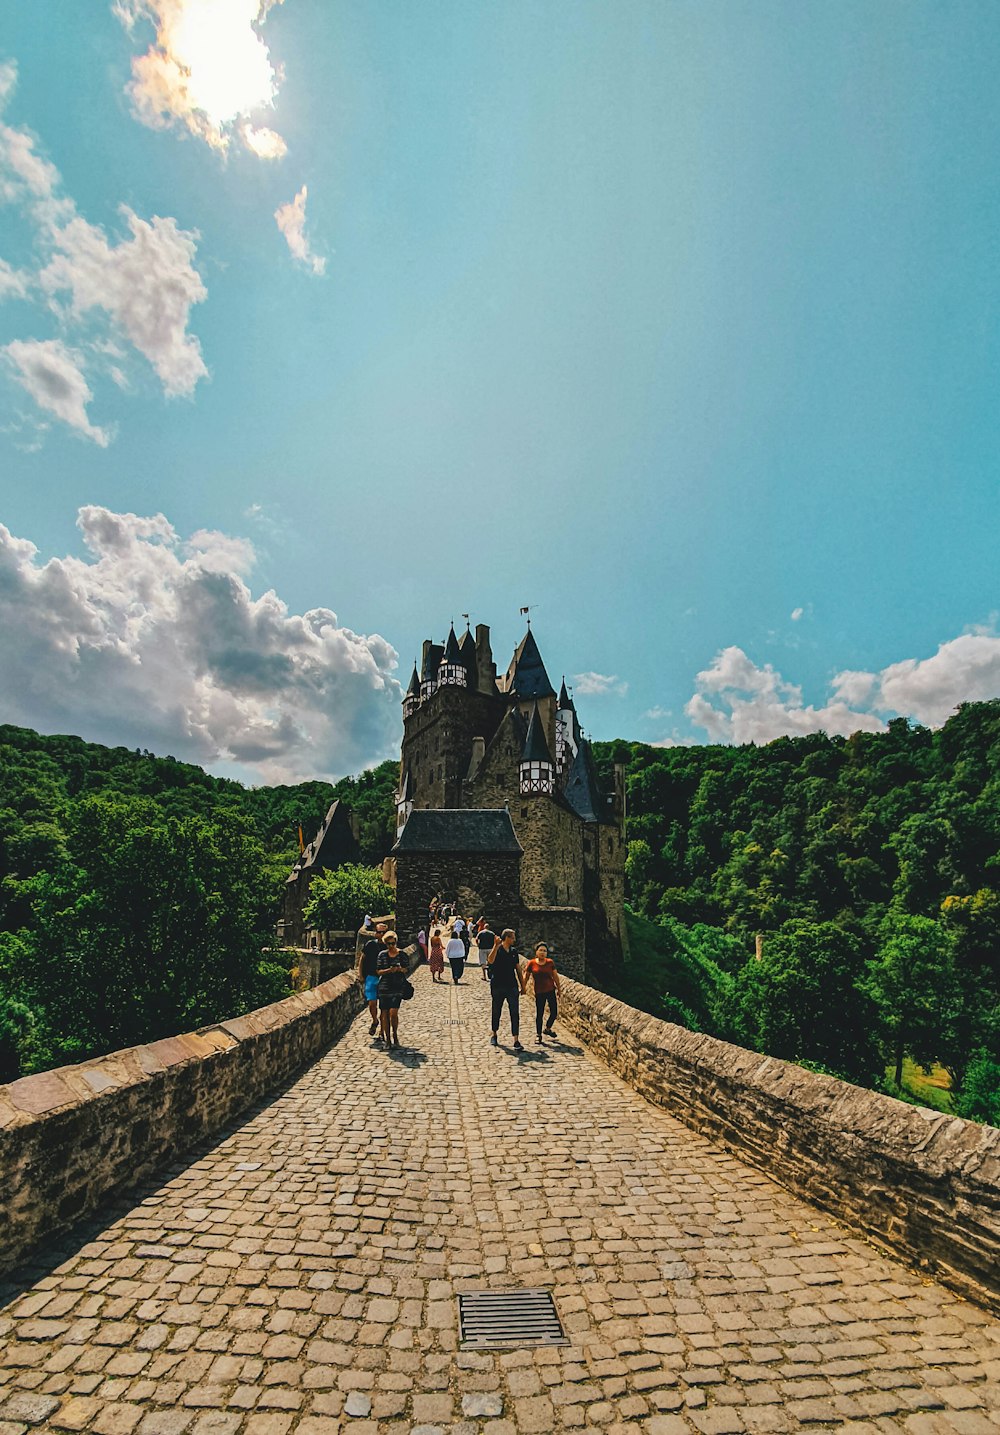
x,y
8,80
291,220
151,641
598,685
146,286
140,288
964,669
797,614
53,376
208,70
736,701
13,283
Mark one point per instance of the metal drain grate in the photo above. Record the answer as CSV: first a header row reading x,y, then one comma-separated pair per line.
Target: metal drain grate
x,y
510,1317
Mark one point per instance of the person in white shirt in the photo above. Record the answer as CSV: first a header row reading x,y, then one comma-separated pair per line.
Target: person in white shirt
x,y
455,952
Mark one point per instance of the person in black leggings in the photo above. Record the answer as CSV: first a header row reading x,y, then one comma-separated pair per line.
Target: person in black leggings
x,y
542,971
508,985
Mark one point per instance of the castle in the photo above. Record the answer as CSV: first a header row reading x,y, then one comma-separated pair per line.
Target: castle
x,y
521,828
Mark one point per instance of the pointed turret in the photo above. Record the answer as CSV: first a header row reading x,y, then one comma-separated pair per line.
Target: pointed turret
x,y
452,669
565,701
412,698
538,772
526,676
430,661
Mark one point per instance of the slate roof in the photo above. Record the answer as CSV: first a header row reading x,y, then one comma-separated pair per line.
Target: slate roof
x,y
458,829
311,852
565,701
452,652
526,675
413,691
583,790
536,749
432,661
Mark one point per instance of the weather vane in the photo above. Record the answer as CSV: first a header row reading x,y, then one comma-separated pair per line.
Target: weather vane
x,y
526,613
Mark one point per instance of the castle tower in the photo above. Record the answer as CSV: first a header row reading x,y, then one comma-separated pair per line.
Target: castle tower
x,y
412,698
537,770
452,670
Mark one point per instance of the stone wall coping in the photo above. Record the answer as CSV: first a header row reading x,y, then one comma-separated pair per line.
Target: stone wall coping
x,y
47,1093
946,1143
920,1181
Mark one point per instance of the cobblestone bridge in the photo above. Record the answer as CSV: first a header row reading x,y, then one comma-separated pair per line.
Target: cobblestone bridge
x,y
300,1274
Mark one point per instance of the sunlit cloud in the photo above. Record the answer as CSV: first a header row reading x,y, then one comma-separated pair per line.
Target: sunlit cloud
x,y
291,220
110,296
208,70
590,685
151,640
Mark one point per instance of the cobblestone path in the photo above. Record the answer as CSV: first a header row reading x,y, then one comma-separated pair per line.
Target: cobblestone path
x,y
300,1274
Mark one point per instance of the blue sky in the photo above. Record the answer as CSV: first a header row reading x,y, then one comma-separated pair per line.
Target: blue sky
x,y
677,321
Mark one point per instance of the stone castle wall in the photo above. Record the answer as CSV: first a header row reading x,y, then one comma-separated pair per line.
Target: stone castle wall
x,y
921,1183
492,879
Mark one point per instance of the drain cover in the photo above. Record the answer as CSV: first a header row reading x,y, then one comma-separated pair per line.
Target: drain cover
x,y
511,1317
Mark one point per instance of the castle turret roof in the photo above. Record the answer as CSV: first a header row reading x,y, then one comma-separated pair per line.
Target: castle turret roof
x,y
536,749
452,652
431,663
413,691
565,701
526,676
583,788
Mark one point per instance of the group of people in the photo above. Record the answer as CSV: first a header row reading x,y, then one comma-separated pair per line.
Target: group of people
x,y
457,950
382,971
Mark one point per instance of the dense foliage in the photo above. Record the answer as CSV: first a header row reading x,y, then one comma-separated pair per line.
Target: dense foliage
x,y
340,900
870,868
138,895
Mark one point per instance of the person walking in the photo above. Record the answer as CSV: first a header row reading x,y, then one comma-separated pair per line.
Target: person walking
x,y
508,984
367,973
435,956
541,970
391,976
484,945
455,952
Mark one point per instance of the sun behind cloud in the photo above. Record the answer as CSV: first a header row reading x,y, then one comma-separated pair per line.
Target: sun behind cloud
x,y
208,69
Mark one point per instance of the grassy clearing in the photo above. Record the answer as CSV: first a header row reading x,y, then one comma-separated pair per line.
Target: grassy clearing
x,y
923,1088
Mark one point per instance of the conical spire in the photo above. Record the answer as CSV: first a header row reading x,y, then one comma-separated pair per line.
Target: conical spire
x,y
526,676
565,701
452,652
413,691
536,749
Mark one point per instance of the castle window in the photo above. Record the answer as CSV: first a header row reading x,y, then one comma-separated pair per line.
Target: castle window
x,y
611,844
586,844
524,812
537,777
451,675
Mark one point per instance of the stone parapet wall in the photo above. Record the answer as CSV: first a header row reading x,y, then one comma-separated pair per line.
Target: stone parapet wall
x,y
922,1183
70,1137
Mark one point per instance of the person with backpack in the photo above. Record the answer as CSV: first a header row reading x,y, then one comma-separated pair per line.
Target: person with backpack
x,y
542,972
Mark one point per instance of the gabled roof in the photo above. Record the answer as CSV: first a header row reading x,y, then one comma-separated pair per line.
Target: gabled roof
x,y
536,749
452,652
583,789
526,675
458,829
413,691
337,822
432,661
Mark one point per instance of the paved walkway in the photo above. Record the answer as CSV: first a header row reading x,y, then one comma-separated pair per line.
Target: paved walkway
x,y
300,1275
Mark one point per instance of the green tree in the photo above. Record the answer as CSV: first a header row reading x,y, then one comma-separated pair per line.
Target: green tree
x,y
803,1001
338,900
913,983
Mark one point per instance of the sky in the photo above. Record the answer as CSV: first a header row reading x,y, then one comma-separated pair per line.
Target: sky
x,y
323,324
